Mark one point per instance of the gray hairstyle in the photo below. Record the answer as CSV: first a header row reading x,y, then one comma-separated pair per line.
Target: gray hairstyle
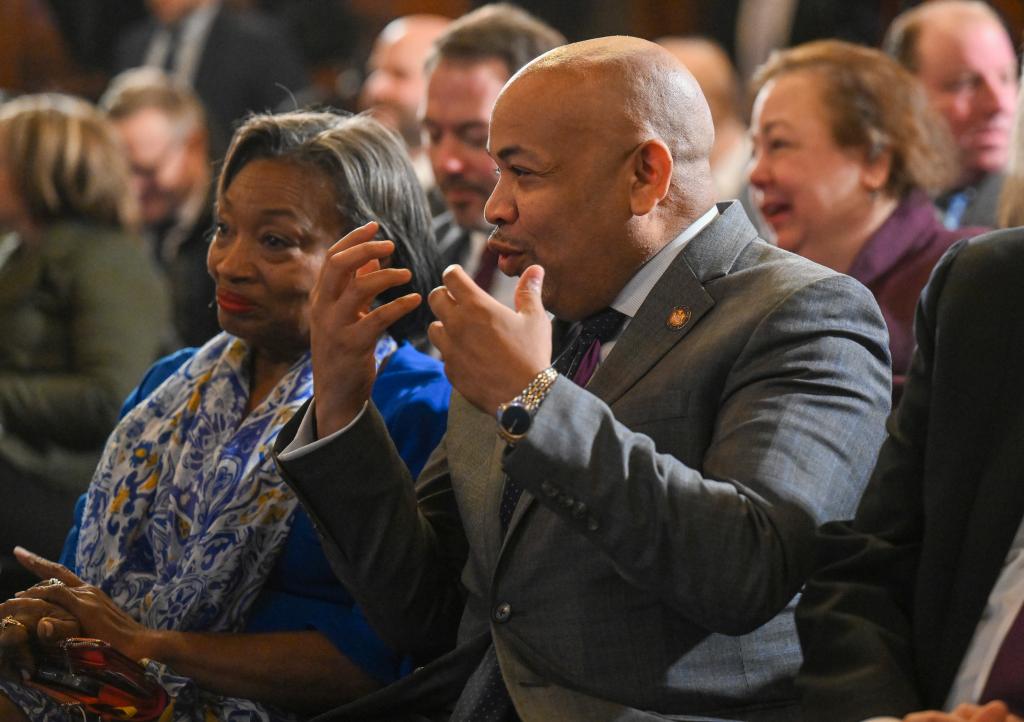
x,y
372,178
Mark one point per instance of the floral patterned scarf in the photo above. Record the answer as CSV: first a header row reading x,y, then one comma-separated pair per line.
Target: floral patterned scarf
x,y
187,513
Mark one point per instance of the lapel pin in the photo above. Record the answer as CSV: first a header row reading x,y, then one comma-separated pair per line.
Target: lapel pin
x,y
678,317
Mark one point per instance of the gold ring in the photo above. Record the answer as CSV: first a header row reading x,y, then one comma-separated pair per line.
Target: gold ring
x,y
9,621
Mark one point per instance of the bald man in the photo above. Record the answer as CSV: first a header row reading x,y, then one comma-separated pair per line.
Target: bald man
x,y
396,81
618,544
962,54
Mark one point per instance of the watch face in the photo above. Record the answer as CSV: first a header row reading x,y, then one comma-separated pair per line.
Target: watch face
x,y
515,419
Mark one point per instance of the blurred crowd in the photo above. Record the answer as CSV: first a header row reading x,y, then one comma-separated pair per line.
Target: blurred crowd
x,y
213,212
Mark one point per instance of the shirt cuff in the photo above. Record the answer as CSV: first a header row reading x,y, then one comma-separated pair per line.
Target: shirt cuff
x,y
305,441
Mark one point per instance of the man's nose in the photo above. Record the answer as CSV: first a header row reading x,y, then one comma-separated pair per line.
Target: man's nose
x,y
997,96
500,207
449,154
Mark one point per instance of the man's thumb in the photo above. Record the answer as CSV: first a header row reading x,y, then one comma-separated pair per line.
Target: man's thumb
x,y
528,290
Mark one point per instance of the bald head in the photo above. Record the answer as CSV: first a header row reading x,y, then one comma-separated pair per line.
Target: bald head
x,y
396,81
965,60
623,89
602,150
944,17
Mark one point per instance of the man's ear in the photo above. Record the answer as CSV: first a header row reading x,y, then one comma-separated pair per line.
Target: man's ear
x,y
652,176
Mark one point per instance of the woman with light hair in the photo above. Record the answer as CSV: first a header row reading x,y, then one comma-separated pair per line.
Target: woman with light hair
x,y
847,151
82,312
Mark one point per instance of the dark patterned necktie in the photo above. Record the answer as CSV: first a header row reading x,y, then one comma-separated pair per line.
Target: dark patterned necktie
x,y
1006,678
485,697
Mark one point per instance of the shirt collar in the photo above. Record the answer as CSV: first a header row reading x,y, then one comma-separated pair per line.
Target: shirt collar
x,y
634,293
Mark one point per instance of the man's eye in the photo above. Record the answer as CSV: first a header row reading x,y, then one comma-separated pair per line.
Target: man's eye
x,y
520,172
474,139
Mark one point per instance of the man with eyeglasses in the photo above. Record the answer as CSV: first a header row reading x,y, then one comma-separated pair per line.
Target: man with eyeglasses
x,y
468,66
161,123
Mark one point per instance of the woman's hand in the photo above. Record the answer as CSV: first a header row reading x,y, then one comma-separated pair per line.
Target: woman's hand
x,y
344,329
75,608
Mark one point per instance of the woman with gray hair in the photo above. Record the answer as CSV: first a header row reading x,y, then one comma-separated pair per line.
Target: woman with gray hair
x,y
190,552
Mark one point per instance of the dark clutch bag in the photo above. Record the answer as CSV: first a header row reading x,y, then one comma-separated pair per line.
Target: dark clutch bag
x,y
92,675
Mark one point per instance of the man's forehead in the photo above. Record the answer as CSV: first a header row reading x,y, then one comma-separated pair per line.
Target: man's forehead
x,y
476,78
939,40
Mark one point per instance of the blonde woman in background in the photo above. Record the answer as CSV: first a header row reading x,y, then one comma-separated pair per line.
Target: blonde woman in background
x,y
82,313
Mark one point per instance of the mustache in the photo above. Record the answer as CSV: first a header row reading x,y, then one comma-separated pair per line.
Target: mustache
x,y
496,236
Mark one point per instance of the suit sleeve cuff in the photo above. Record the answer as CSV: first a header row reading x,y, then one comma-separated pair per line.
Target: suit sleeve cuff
x,y
305,441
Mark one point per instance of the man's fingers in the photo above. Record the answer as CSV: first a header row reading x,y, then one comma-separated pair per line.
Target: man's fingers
x,y
44,568
460,286
440,302
528,290
438,337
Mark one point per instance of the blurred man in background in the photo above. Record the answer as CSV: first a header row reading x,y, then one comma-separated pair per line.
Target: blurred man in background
x,y
396,82
962,54
468,67
163,129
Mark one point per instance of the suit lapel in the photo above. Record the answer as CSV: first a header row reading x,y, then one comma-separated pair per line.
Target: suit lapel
x,y
649,336
676,304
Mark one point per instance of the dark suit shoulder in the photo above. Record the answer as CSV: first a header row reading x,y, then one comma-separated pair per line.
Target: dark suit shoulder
x,y
131,48
993,257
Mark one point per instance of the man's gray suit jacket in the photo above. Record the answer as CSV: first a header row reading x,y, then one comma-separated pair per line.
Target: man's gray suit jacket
x,y
651,565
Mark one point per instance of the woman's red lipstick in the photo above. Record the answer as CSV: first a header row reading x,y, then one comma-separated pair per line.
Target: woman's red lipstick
x,y
233,303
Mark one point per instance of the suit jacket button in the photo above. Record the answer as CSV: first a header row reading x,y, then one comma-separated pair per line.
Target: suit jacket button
x,y
502,612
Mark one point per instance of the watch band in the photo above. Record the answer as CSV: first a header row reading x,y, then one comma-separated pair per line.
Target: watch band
x,y
537,389
515,417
